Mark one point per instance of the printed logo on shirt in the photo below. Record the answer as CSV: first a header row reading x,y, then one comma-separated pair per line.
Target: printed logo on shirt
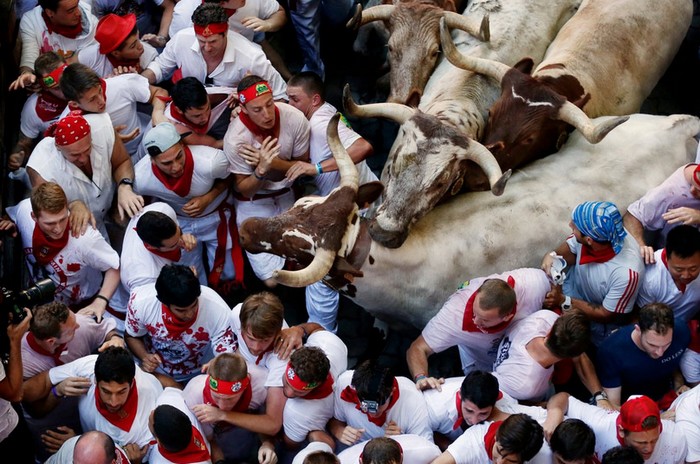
x,y
503,352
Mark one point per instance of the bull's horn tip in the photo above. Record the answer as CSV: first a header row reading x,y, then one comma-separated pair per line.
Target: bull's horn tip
x,y
499,187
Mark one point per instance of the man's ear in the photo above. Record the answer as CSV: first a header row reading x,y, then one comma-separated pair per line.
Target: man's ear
x,y
33,216
73,105
620,432
316,99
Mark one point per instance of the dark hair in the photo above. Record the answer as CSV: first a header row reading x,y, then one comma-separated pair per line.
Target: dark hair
x,y
657,317
622,455
310,364
520,434
570,335
573,440
172,428
209,13
382,450
47,319
76,80
153,227
649,423
372,381
188,93
262,314
115,364
310,82
49,4
481,388
248,81
134,31
321,457
683,241
177,285
47,62
496,293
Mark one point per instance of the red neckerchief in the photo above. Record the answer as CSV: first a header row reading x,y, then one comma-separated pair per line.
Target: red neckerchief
x,y
490,438
349,394
172,255
133,63
48,106
200,129
468,320
261,355
34,345
322,391
243,402
196,450
121,456
680,286
180,185
103,85
174,325
45,249
458,405
590,256
123,418
258,131
67,31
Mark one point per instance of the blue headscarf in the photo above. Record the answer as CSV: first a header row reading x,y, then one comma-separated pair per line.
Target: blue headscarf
x,y
600,220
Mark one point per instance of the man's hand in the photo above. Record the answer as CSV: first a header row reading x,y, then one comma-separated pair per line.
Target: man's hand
x,y
300,168
54,439
128,137
197,205
157,41
150,362
261,158
350,435
647,253
134,453
607,405
73,386
8,226
207,414
25,81
683,215
554,418
114,340
80,217
96,309
547,262
392,428
256,24
128,202
426,383
16,160
266,455
188,242
289,340
554,298
15,332
119,70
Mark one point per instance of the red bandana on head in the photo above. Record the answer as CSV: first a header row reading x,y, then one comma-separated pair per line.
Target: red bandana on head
x,y
52,79
224,387
44,248
349,394
468,320
196,450
211,29
251,93
125,417
56,355
180,185
67,31
173,324
316,390
70,129
490,438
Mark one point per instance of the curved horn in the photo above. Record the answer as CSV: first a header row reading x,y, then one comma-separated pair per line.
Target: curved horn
x,y
346,168
375,13
319,267
395,111
490,68
594,133
480,30
486,161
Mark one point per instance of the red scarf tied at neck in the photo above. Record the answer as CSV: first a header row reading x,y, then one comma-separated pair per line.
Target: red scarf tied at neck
x,y
259,131
56,355
173,324
196,450
125,417
180,185
349,394
490,438
44,248
67,31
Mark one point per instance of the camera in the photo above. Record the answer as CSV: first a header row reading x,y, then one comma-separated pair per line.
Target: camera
x,y
12,302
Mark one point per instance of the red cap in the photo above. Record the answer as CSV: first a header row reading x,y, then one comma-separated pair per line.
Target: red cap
x,y
70,129
635,410
112,30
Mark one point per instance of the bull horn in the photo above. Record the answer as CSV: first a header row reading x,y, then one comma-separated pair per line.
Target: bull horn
x,y
346,168
395,111
594,133
490,68
480,30
319,267
375,13
486,161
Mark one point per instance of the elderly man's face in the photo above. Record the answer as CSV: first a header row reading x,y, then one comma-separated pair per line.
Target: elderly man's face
x,y
78,152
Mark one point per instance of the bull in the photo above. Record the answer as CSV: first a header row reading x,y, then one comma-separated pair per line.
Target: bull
x,y
424,164
605,60
477,234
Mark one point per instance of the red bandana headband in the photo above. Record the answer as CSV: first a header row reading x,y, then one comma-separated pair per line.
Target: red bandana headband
x,y
296,382
210,29
52,79
70,129
224,387
254,91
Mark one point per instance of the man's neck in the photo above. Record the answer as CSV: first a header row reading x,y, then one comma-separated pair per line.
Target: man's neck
x,y
539,352
637,339
497,415
313,109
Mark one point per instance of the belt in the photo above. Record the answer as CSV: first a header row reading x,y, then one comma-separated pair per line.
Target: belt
x,y
115,313
260,196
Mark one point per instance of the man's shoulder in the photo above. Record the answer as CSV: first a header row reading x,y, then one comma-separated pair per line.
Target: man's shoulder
x,y
289,113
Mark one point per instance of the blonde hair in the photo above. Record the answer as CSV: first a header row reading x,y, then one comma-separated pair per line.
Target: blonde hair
x,y
48,197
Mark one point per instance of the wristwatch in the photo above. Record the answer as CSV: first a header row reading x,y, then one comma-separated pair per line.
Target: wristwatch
x,y
599,396
126,181
566,305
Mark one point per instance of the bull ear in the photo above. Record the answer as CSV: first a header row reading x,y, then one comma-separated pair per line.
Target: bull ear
x,y
525,65
368,193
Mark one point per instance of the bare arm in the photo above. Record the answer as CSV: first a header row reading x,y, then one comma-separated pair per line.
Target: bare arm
x,y
20,152
149,361
636,230
358,151
11,385
417,358
444,458
150,75
203,139
122,168
557,407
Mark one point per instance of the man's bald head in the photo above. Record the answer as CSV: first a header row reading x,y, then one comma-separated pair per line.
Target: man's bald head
x,y
94,448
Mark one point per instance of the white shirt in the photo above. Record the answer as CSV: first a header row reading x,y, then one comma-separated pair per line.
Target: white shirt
x,y
216,110
97,193
31,124
320,151
8,416
77,269
240,57
90,56
517,372
409,411
658,287
184,355
36,38
688,421
416,450
444,330
670,449
148,389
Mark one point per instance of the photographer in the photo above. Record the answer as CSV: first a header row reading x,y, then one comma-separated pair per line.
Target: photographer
x,y
14,436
